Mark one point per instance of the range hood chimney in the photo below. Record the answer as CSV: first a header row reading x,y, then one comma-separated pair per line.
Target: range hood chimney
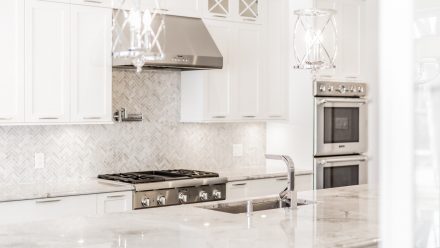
x,y
187,45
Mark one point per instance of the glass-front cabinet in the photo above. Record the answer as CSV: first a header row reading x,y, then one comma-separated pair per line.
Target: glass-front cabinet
x,y
234,10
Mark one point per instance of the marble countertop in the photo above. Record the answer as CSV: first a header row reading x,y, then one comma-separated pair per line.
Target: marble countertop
x,y
341,217
253,173
18,192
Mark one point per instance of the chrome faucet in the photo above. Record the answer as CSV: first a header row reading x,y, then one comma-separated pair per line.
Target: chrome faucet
x,y
288,195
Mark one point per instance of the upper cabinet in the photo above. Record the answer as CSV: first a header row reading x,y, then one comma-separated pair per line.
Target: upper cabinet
x,y
350,19
91,71
234,10
11,61
56,64
47,61
182,7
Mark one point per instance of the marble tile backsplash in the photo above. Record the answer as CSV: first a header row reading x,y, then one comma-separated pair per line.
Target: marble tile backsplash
x,y
78,152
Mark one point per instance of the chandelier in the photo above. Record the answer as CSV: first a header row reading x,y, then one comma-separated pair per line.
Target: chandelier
x,y
315,37
139,27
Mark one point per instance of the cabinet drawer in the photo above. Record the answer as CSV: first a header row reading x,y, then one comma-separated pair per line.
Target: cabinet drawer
x,y
48,208
114,202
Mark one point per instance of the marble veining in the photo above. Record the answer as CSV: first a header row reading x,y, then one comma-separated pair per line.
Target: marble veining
x,y
341,217
78,152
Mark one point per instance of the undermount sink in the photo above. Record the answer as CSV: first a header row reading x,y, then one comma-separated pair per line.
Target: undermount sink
x,y
258,205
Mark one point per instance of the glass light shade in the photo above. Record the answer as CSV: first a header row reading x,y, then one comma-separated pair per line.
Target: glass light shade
x,y
140,31
315,37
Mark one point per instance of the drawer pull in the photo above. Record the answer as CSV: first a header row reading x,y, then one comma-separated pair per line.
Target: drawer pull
x,y
5,118
219,16
163,10
48,118
47,201
249,116
219,117
115,196
275,116
92,118
93,1
249,19
282,179
239,184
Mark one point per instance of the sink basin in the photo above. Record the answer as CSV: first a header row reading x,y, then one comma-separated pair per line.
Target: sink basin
x,y
258,205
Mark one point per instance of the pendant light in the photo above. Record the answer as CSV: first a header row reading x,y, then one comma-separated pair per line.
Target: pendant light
x,y
142,27
315,37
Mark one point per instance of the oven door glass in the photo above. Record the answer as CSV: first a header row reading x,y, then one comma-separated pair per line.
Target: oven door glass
x,y
341,176
341,125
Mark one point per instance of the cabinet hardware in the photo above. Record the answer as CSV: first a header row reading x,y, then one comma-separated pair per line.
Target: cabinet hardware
x,y
239,184
48,118
219,16
47,201
91,118
93,1
219,117
115,196
5,118
249,19
249,116
282,179
163,10
275,116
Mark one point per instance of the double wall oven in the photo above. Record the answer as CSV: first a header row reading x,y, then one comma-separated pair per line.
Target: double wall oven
x,y
340,134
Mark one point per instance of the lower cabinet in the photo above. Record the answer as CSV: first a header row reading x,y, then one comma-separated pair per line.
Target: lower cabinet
x,y
53,208
114,202
263,187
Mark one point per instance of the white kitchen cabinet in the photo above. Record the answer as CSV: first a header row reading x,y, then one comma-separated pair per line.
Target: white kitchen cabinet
x,y
251,11
12,61
350,19
265,187
206,95
275,86
47,50
182,7
91,64
234,92
114,202
46,209
248,70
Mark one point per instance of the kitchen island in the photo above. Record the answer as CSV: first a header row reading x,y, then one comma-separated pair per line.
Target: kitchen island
x,y
340,217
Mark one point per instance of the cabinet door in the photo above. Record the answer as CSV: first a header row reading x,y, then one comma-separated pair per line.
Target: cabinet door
x,y
12,61
350,30
217,95
349,20
115,202
47,61
91,64
220,9
275,93
249,10
247,70
182,7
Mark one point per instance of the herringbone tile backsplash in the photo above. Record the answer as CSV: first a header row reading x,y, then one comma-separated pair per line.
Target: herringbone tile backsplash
x,y
78,152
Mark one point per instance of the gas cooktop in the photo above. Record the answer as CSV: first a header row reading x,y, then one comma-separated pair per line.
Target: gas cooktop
x,y
157,176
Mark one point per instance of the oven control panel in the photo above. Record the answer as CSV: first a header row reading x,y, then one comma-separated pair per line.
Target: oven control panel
x,y
339,89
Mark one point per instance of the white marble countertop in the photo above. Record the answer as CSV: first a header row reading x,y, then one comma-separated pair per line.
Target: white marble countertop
x,y
18,192
342,217
261,172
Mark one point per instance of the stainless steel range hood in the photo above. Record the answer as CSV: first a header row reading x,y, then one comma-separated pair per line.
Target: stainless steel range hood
x,y
186,44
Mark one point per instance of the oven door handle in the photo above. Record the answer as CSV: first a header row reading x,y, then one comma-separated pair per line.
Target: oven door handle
x,y
338,160
360,101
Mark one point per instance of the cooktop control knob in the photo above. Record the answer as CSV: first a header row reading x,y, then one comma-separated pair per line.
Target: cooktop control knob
x,y
145,201
322,88
203,195
183,198
161,200
217,194
361,89
330,88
